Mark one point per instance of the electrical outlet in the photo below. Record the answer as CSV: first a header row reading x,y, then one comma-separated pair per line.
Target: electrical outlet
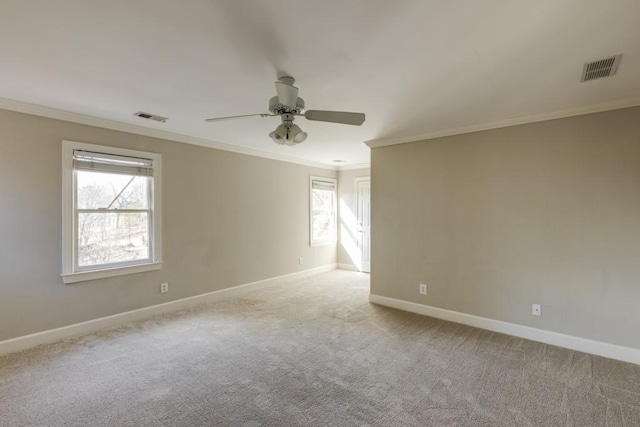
x,y
536,309
423,289
300,261
164,288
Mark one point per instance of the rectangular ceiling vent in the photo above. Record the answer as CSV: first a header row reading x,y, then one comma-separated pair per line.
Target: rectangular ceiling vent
x,y
602,68
151,116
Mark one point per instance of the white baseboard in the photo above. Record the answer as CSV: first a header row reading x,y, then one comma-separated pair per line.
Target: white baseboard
x,y
27,341
612,351
349,267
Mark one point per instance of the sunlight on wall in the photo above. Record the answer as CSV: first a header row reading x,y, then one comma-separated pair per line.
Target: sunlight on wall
x,y
349,234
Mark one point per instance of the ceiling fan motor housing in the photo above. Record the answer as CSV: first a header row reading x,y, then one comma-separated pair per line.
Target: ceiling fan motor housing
x,y
277,108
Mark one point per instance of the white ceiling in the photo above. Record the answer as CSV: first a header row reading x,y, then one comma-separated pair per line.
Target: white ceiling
x,y
414,67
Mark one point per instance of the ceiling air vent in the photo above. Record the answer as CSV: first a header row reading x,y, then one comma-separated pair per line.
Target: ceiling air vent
x,y
602,68
151,116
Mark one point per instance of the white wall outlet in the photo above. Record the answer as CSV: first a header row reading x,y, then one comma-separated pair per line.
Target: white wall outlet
x,y
536,309
164,288
300,261
423,289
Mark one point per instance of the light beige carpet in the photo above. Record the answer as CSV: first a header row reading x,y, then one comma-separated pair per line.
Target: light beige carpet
x,y
311,353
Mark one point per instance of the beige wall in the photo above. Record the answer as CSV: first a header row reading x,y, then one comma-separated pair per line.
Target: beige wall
x,y
228,219
494,221
347,223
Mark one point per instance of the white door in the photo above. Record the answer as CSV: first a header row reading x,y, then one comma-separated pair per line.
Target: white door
x,y
363,187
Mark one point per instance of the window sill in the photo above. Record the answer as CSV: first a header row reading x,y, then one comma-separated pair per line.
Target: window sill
x,y
110,272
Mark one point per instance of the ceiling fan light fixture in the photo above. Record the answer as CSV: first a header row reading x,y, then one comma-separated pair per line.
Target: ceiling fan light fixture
x,y
288,134
296,134
277,135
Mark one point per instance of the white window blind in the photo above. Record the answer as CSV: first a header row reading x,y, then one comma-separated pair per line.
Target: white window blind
x,y
101,162
323,185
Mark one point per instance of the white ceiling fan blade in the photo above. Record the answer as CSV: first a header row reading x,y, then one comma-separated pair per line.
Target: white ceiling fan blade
x,y
287,94
345,118
217,119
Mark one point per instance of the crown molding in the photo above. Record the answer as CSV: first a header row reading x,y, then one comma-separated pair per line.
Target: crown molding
x,y
514,121
355,166
83,119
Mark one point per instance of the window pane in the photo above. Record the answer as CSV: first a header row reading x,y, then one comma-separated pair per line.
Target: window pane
x,y
99,190
110,237
323,227
323,200
323,210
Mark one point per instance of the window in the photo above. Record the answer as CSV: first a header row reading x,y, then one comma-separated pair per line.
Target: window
x,y
323,211
111,215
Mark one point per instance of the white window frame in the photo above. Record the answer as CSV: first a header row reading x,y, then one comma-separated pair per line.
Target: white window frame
x,y
70,274
334,240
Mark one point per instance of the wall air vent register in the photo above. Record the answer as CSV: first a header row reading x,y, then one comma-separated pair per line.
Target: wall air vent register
x,y
150,116
602,68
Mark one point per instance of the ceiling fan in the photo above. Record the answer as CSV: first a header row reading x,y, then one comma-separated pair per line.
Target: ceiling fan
x,y
288,105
